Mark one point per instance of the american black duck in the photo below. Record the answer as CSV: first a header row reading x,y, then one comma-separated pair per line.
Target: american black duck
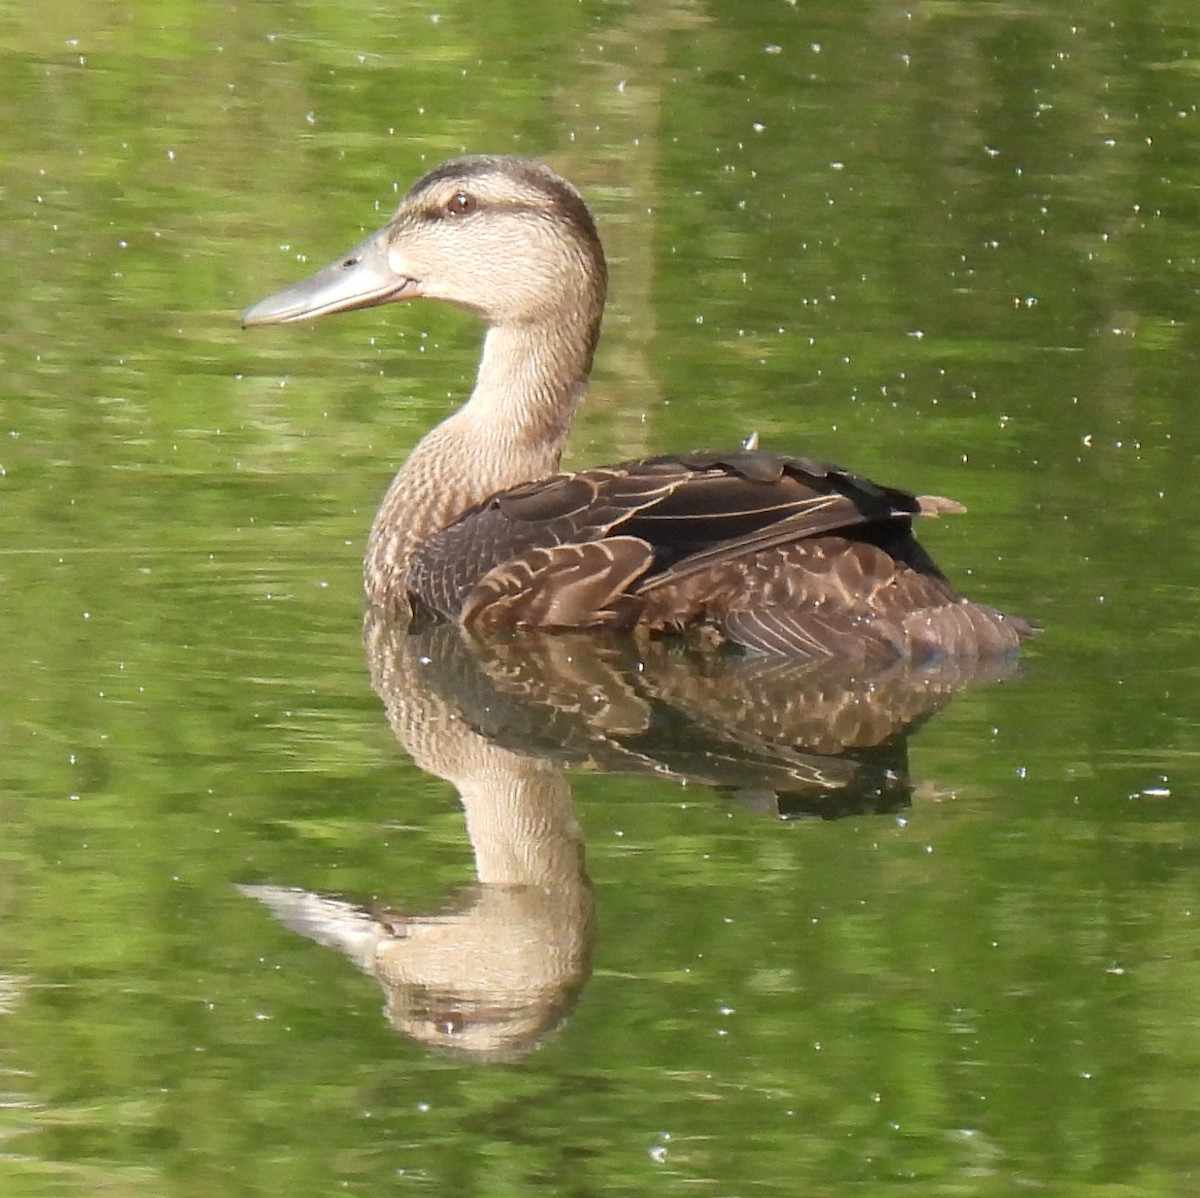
x,y
775,553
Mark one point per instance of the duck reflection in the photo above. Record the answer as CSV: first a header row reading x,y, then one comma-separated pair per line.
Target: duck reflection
x,y
494,974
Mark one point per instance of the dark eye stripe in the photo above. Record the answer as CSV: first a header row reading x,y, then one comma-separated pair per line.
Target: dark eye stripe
x,y
451,208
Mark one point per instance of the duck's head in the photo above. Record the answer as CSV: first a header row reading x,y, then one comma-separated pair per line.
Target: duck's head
x,y
504,237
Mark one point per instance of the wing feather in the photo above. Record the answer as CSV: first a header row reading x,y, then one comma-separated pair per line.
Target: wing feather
x,y
785,555
561,586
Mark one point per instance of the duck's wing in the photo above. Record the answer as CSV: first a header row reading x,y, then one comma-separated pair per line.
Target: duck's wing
x,y
832,596
575,543
526,538
739,504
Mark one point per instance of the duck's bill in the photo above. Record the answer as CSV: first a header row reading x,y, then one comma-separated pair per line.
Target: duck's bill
x,y
360,279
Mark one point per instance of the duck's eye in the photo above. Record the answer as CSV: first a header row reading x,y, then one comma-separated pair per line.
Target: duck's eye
x,y
460,204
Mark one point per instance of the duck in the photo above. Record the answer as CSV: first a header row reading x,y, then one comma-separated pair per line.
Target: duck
x,y
773,553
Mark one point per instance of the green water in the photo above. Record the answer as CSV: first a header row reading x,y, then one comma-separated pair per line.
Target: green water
x,y
953,245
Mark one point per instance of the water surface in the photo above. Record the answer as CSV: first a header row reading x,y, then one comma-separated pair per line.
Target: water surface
x,y
953,246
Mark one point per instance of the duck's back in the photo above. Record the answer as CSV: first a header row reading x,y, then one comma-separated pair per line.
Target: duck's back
x,y
785,555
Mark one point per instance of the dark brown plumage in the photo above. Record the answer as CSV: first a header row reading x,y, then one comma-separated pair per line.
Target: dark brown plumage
x,y
779,554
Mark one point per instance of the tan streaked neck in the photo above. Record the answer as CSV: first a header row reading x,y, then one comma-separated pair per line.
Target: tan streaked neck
x,y
531,380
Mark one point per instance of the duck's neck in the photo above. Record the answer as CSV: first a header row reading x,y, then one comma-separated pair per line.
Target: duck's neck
x,y
530,382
